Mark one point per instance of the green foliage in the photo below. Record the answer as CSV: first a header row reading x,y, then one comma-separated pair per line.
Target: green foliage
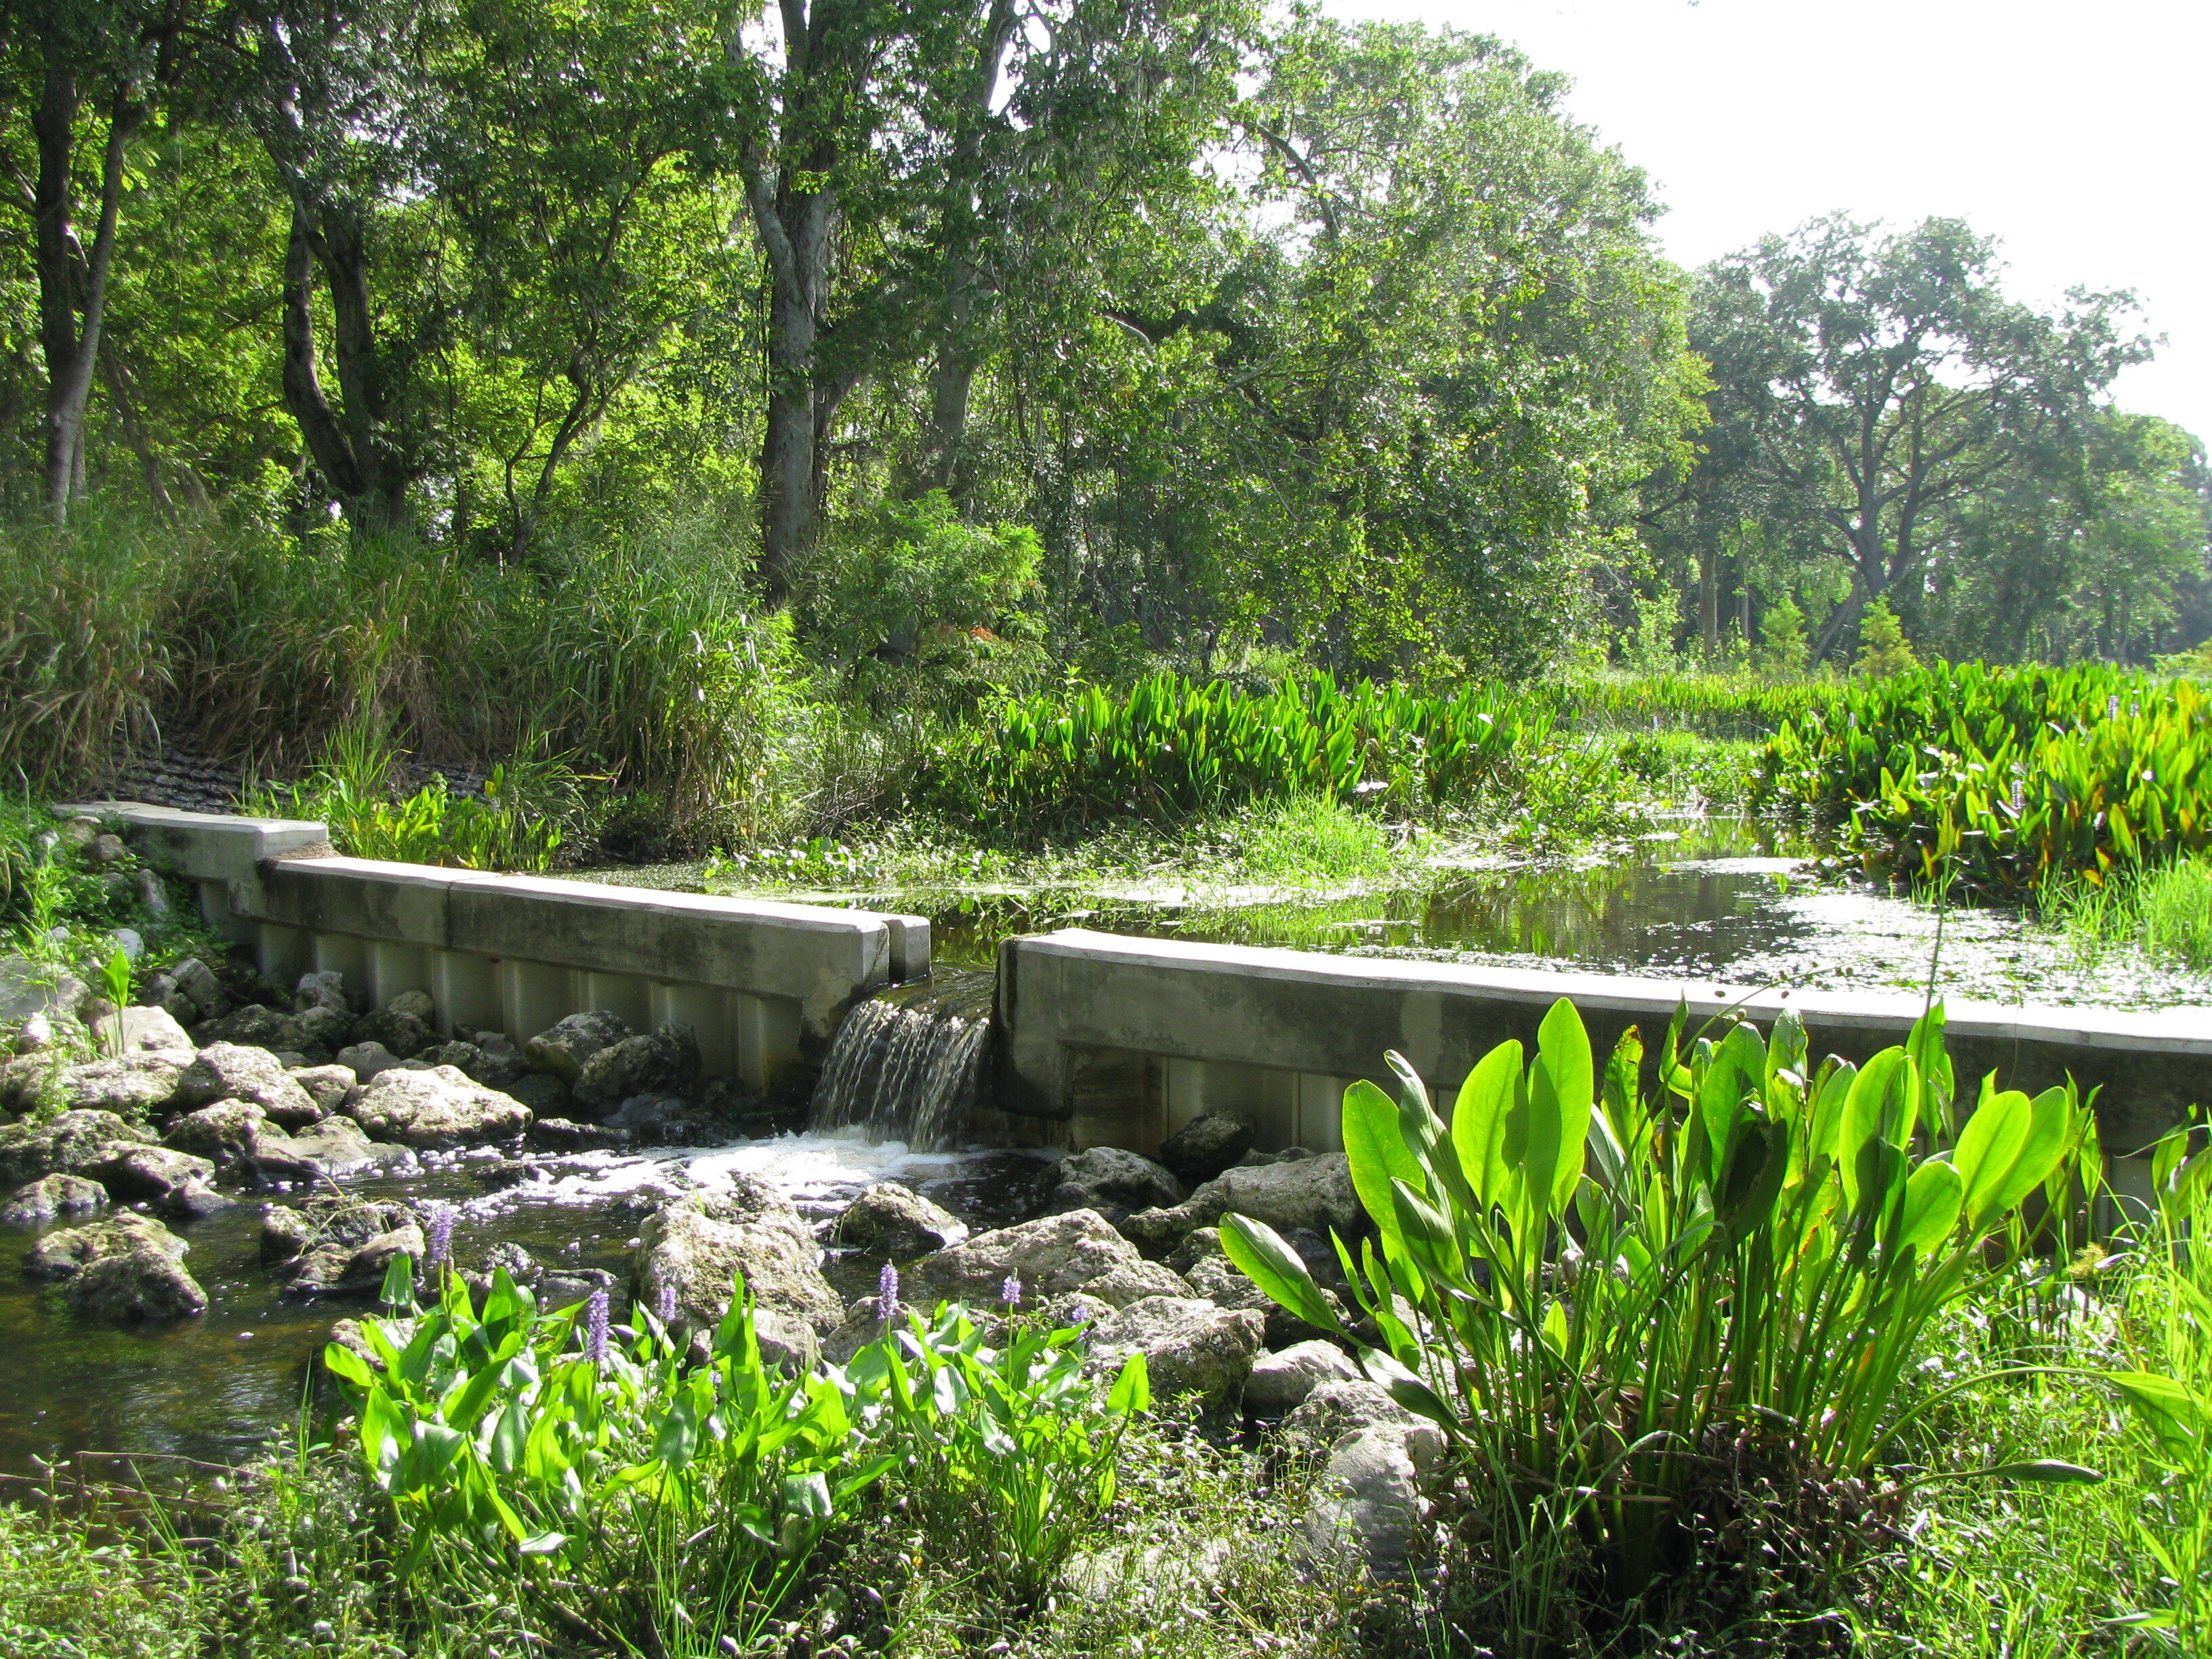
x,y
920,605
2009,779
1171,748
1592,1292
1883,649
1010,1447
1782,644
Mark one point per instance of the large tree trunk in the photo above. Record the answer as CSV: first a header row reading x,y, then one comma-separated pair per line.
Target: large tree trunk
x,y
352,449
71,282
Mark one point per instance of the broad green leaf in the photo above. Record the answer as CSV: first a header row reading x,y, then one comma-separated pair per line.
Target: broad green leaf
x,y
1377,1152
343,1362
1479,1117
1260,1253
1933,1194
2050,1125
1875,1095
398,1290
1988,1148
1564,1071
1133,1388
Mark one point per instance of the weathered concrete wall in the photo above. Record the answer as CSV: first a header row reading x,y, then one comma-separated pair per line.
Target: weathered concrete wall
x,y
764,985
1118,1040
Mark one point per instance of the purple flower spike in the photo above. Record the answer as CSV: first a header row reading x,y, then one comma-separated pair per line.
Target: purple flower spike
x,y
595,1328
664,1303
441,1237
1011,1292
887,1296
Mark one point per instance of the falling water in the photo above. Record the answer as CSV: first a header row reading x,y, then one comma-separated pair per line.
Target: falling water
x,y
905,1063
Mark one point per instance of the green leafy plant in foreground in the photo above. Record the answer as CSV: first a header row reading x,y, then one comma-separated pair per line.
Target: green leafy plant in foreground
x,y
1016,1435
1605,1298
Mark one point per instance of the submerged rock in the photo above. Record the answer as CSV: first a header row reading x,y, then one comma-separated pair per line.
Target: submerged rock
x,y
895,1222
173,1182
1207,1144
1192,1348
1113,1182
330,1245
1053,1255
66,1146
435,1109
50,1196
127,1269
689,1249
336,1146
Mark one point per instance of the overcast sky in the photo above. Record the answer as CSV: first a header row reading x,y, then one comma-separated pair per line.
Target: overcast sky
x,y
2077,134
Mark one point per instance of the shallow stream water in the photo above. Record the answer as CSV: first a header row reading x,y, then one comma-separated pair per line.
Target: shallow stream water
x,y
214,1387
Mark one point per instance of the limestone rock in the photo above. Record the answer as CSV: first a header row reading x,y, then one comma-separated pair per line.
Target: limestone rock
x,y
1191,1348
253,1026
1112,1182
402,1025
1280,1383
895,1222
130,1085
365,1060
336,1146
498,1062
224,1134
1336,1407
66,1146
563,1047
544,1094
160,1175
339,1270
1207,1144
657,1120
560,1134
137,1029
1052,1255
327,1086
228,1071
1310,1191
197,982
662,1062
693,1245
1367,1506
29,987
38,1201
1223,1283
435,1110
121,1271
326,989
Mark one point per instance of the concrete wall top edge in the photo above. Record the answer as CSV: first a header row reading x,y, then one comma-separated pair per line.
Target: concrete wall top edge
x,y
211,846
2182,1032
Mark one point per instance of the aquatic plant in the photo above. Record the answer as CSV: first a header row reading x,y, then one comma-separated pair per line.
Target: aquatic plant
x,y
1598,1295
2034,773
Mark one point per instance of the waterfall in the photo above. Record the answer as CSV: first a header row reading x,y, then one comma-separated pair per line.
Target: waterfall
x,y
905,1063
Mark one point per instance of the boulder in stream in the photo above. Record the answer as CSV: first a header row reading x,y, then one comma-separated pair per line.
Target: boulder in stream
x,y
121,1271
172,1182
689,1249
402,1025
434,1109
231,1071
1053,1255
1315,1193
562,1047
1281,1381
64,1145
224,1134
661,1062
1112,1182
336,1146
1207,1144
895,1222
49,1197
327,1086
132,1085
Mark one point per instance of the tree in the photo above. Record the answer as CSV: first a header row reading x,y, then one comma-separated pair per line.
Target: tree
x,y
88,72
1884,382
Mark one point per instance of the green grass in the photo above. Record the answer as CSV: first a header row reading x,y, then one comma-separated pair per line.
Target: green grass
x,y
2167,910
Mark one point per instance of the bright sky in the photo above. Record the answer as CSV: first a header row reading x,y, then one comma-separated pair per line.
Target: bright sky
x,y
2077,134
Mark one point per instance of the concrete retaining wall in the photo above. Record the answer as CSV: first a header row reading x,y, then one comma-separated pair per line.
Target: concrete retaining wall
x,y
1118,1040
764,986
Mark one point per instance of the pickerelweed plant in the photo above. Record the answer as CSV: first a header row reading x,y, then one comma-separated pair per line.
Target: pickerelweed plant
x,y
529,1451
660,1504
1608,1301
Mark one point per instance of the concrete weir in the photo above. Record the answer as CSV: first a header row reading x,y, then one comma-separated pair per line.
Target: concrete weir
x,y
1116,1041
764,986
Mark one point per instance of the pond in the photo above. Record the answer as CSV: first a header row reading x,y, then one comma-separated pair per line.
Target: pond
x,y
1729,901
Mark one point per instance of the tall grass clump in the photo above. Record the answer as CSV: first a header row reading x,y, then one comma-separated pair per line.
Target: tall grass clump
x,y
85,636
1640,1320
